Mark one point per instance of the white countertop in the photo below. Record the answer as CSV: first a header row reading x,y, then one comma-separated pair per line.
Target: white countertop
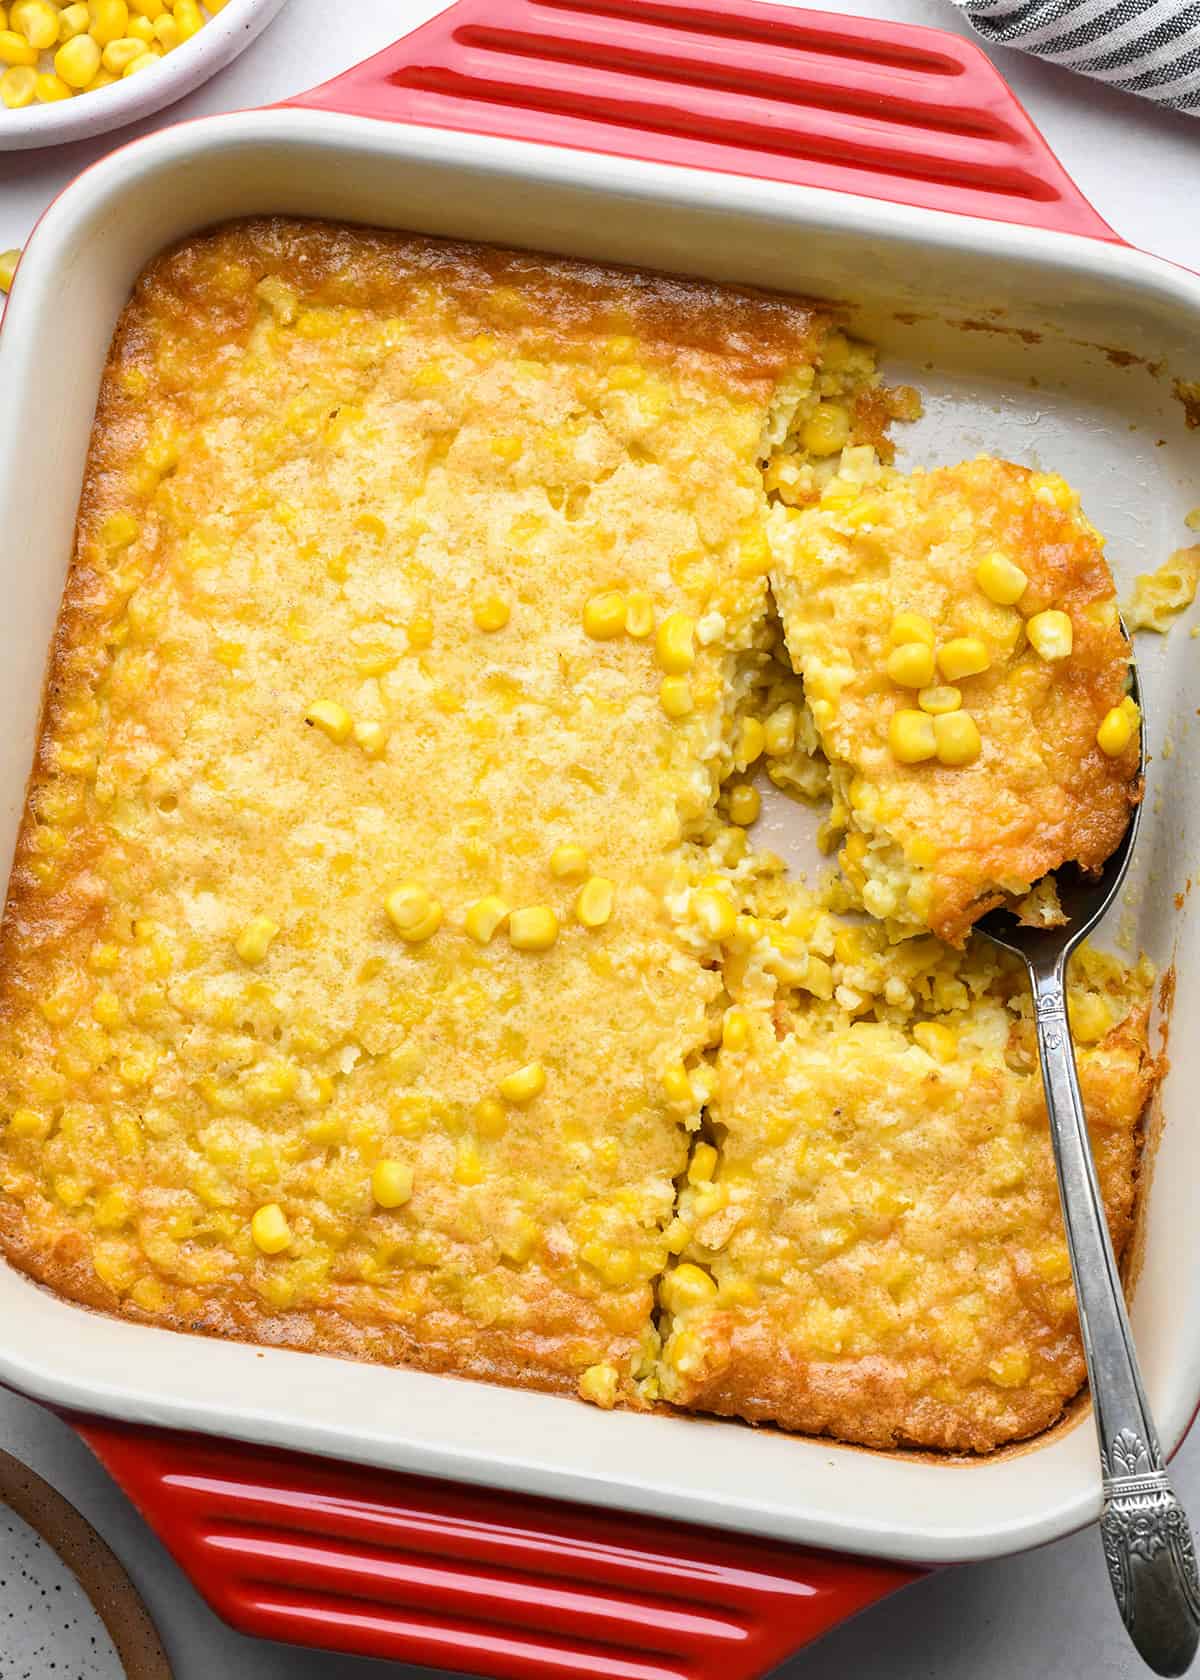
x,y
1047,1614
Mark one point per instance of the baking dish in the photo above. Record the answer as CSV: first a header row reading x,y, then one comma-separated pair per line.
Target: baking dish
x,y
741,142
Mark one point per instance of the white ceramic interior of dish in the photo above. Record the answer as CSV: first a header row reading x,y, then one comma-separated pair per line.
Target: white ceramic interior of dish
x,y
1114,430
223,37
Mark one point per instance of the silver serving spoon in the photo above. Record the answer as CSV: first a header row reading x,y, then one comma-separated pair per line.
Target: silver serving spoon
x,y
1144,1529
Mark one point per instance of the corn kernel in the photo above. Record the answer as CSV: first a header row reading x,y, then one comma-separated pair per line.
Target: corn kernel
x,y
674,643
744,805
73,20
113,1210
751,742
639,614
76,61
677,1087
120,53
779,731
189,18
490,1119
677,1235
106,1007
963,656
594,902
468,1167
911,664
18,84
910,736
1089,1016
523,1085
685,1287
827,430
391,1183
29,1123
255,938
1009,1370
715,912
490,612
16,50
957,738
485,918
675,697
49,89
141,29
37,21
911,627
1116,732
1053,1263
702,1165
534,928
148,1294
165,31
370,736
330,718
569,863
413,913
118,530
599,1385
710,1200
754,554
1055,491
8,268
939,1041
735,1030
1051,634
109,20
604,616
940,698
270,1229
1001,580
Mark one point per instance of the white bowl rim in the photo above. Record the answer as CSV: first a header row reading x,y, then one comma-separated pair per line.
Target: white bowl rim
x,y
223,37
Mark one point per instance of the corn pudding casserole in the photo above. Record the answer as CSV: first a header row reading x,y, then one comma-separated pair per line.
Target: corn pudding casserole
x,y
386,968
873,1248
961,648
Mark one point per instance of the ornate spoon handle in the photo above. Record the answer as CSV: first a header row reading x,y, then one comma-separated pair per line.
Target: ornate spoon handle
x,y
1144,1529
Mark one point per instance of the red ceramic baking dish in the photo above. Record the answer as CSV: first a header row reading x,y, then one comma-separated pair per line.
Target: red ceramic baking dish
x,y
433,1520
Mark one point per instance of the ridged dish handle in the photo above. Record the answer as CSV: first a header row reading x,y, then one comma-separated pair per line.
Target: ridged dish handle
x,y
357,1560
885,110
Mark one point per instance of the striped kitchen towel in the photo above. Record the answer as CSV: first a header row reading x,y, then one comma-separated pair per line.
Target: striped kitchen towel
x,y
1151,47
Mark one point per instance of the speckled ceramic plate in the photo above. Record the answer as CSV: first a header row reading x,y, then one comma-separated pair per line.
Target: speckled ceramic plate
x,y
66,1604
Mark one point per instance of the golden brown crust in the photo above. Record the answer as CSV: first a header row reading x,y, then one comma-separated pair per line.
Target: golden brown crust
x,y
315,448
309,442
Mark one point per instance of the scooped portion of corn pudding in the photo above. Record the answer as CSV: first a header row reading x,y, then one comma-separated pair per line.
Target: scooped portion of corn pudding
x,y
870,1244
387,969
965,666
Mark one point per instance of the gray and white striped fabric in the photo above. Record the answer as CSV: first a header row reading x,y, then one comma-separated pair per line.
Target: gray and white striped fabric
x,y
1151,47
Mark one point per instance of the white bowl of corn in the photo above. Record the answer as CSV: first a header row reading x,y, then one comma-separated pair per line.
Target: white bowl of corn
x,y
74,68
